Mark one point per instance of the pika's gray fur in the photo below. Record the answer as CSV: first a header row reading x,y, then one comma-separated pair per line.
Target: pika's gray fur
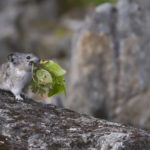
x,y
16,72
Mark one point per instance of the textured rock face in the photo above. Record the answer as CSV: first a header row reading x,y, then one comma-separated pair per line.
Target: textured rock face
x,y
29,125
111,63
134,60
91,61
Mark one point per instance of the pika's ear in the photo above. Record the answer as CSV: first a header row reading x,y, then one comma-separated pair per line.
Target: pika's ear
x,y
10,57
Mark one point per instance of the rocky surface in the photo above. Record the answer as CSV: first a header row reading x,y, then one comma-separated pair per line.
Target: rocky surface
x,y
110,70
30,125
111,63
94,63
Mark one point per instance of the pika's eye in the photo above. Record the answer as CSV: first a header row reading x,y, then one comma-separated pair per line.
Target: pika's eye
x,y
28,57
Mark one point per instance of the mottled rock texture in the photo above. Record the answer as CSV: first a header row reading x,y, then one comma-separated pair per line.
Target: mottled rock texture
x,y
110,76
34,126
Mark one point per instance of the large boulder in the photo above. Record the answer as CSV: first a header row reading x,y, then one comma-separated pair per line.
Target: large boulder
x,y
30,125
91,60
133,100
111,63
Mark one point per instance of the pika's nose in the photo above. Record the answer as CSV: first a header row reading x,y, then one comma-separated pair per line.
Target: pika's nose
x,y
35,60
38,60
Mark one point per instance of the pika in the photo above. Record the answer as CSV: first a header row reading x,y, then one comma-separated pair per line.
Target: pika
x,y
15,73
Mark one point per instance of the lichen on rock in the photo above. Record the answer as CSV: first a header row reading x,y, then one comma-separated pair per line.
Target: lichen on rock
x,y
31,125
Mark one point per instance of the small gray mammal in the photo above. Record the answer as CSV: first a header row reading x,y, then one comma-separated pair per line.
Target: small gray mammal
x,y
15,73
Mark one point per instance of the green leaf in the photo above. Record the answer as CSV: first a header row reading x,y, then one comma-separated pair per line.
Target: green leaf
x,y
54,68
43,76
48,77
59,86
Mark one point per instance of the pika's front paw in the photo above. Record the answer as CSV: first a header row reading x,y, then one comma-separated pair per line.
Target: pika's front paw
x,y
18,97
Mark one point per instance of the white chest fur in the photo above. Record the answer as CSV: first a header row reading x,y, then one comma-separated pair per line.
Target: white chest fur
x,y
22,75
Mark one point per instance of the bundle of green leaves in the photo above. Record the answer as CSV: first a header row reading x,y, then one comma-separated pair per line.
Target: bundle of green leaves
x,y
48,77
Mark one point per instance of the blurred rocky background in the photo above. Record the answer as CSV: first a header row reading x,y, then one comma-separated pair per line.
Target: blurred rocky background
x,y
103,44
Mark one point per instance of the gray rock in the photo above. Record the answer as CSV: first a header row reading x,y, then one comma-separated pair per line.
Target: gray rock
x,y
32,26
92,57
8,31
34,126
111,63
133,85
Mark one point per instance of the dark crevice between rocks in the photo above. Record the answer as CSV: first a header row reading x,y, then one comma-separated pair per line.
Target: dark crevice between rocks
x,y
116,54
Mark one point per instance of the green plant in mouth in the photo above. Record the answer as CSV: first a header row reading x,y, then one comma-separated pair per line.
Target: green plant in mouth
x,y
48,77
